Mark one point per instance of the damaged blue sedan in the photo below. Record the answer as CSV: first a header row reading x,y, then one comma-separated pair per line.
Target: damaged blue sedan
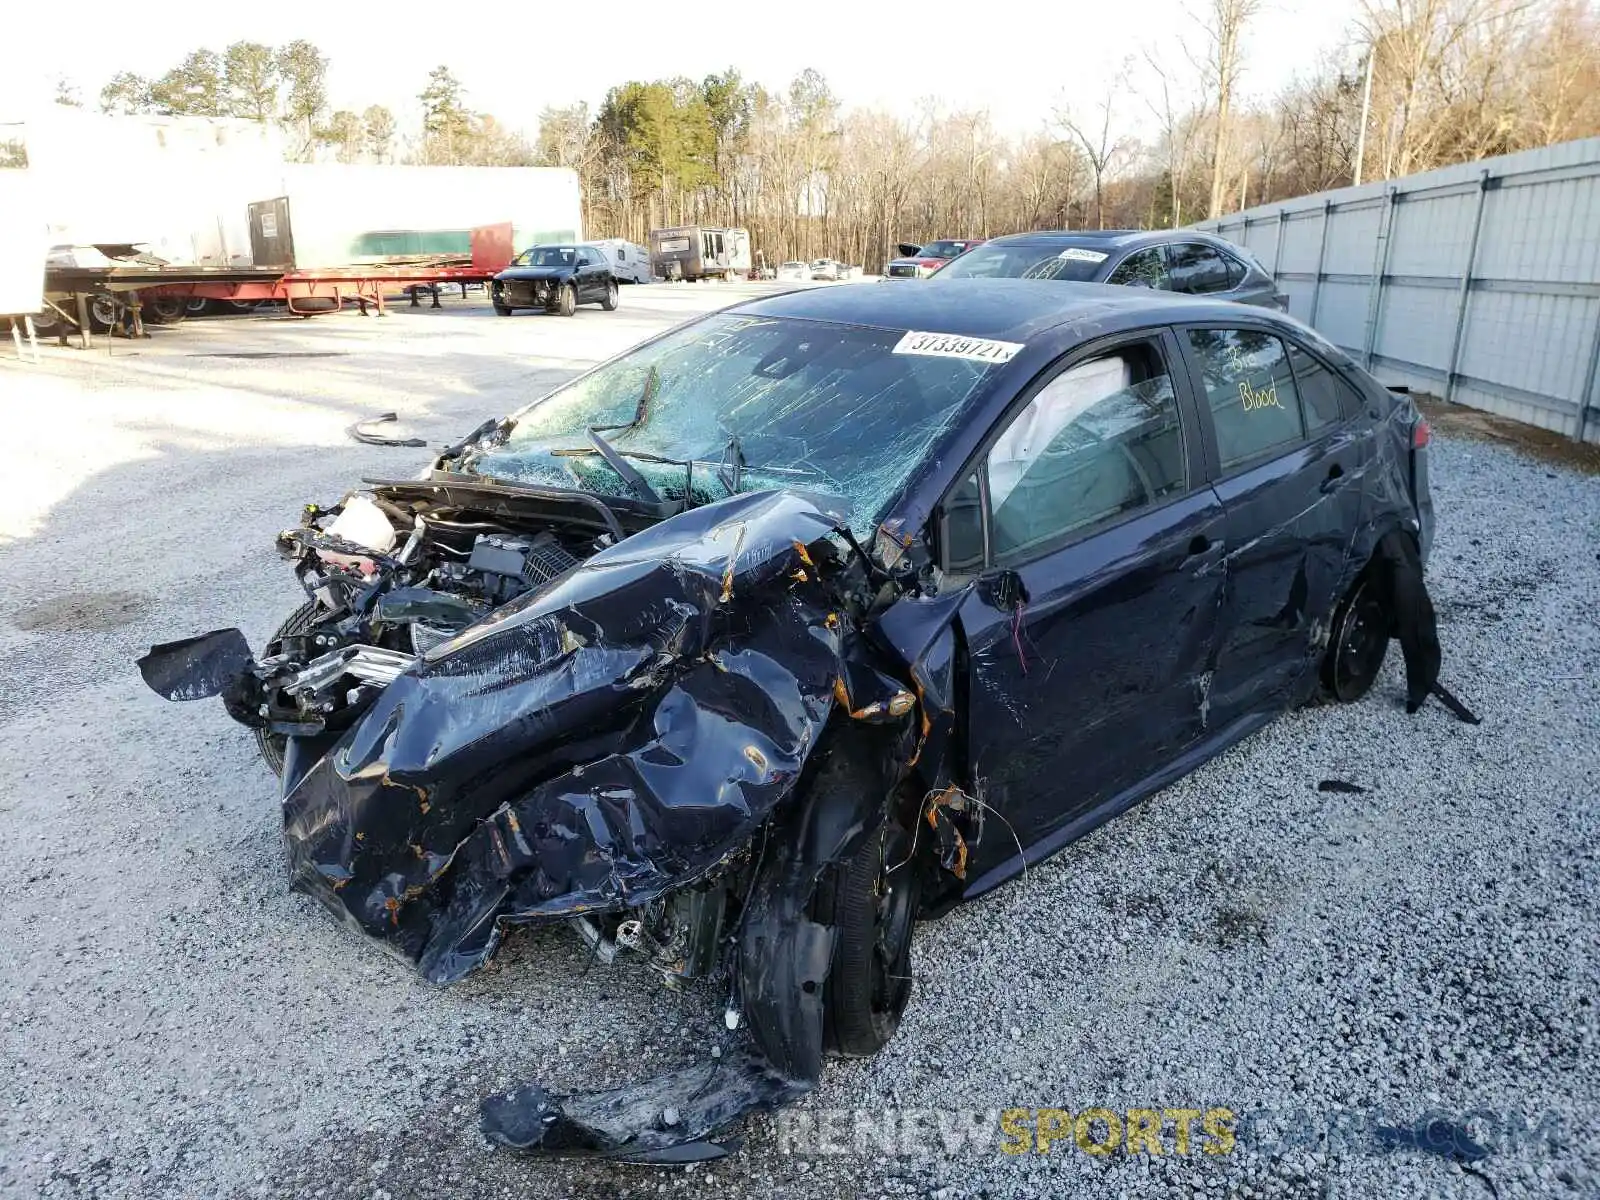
x,y
751,648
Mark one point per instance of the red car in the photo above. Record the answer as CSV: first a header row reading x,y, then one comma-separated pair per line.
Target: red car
x,y
918,262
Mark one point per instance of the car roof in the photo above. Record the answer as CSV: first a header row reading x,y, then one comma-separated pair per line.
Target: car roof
x,y
1007,309
1109,239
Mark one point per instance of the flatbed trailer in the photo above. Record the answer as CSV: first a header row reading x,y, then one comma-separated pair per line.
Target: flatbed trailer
x,y
71,291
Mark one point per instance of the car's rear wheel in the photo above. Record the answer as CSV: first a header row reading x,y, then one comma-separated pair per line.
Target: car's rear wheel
x,y
273,746
1357,641
871,902
609,303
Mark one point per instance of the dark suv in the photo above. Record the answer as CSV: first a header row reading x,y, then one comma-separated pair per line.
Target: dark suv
x,y
556,279
1168,260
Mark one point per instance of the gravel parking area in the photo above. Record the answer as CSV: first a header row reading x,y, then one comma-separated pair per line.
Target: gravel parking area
x,y
174,1023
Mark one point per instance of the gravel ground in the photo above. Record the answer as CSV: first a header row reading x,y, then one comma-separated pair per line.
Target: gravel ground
x,y
174,1023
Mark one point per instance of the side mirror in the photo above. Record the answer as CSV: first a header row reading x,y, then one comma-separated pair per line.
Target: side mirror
x,y
1003,589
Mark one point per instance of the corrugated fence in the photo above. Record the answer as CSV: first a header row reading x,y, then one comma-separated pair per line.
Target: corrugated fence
x,y
1478,283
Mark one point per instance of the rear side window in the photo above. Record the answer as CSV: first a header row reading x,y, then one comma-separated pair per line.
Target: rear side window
x,y
1236,270
1328,399
1147,268
1250,388
1196,269
1099,440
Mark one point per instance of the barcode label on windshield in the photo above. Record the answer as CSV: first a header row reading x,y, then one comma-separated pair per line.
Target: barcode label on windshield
x,y
949,345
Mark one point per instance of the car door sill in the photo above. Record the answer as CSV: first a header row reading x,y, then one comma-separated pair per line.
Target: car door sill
x,y
1090,819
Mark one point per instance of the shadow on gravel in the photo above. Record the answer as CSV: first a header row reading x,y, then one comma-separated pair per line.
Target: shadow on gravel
x,y
1459,421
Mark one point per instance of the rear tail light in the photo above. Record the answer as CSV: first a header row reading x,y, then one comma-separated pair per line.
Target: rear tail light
x,y
1420,434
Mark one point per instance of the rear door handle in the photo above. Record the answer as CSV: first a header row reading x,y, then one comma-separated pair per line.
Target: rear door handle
x,y
1334,479
1199,544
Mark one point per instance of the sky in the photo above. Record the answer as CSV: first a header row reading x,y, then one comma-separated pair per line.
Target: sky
x,y
1019,59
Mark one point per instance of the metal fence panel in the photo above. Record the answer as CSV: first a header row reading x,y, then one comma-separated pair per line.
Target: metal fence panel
x,y
1479,283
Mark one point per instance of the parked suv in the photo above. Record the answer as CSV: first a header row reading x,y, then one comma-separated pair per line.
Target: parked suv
x,y
1167,260
556,279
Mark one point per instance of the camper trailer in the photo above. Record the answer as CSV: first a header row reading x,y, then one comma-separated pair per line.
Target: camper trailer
x,y
698,252
629,261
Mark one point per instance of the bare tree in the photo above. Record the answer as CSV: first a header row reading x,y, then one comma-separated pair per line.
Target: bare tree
x,y
1224,25
1179,123
1100,146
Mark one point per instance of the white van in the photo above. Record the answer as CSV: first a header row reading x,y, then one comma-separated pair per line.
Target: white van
x,y
630,262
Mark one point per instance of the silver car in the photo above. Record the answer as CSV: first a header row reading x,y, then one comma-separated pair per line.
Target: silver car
x,y
1167,260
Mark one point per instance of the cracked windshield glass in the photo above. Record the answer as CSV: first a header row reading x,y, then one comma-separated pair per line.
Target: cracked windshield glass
x,y
745,404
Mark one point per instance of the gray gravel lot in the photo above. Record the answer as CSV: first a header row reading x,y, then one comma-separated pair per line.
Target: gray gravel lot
x,y
174,1023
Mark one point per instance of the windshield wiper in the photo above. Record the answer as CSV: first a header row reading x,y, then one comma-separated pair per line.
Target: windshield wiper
x,y
635,481
651,383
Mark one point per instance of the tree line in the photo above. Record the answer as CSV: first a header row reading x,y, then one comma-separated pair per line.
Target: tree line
x,y
1171,139
1416,84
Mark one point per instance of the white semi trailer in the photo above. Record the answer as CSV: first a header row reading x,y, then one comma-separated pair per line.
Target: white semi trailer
x,y
333,214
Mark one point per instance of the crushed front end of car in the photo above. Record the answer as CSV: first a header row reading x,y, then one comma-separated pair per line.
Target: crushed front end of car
x,y
503,705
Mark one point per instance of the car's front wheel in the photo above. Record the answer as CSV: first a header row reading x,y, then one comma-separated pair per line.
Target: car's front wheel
x,y
502,310
567,302
871,901
1357,641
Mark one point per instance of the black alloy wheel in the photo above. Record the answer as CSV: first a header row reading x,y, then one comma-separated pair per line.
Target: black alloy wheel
x,y
1357,642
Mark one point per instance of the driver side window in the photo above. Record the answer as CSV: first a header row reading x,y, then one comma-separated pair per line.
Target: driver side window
x,y
1099,441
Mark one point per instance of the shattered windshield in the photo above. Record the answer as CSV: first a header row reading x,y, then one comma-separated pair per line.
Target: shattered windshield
x,y
839,409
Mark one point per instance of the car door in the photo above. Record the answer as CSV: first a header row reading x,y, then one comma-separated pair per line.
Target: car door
x,y
1094,610
591,274
1289,445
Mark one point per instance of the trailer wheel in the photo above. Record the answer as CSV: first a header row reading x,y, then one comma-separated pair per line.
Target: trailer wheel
x,y
568,304
610,302
196,306
104,312
167,310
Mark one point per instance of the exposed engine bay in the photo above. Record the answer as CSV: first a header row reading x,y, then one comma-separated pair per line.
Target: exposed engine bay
x,y
390,580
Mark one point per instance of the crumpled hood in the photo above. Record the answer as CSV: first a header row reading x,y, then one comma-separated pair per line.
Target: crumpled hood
x,y
588,747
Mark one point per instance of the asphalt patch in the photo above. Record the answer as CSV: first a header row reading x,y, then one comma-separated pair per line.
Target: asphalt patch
x,y
84,612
